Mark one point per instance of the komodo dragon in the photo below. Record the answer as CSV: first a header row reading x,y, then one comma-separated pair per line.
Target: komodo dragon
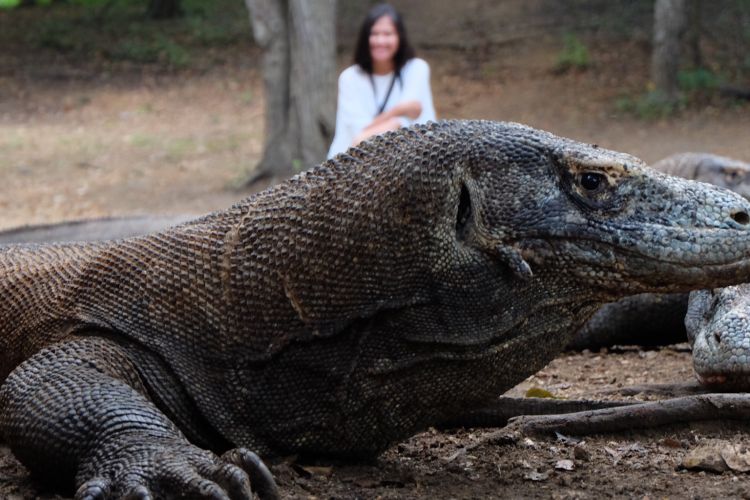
x,y
658,319
105,228
394,287
718,328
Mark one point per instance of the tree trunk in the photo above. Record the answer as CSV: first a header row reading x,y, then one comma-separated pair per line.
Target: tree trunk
x,y
670,20
694,30
299,77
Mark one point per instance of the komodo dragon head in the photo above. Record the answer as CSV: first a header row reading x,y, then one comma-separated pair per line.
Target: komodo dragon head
x,y
721,171
550,207
717,324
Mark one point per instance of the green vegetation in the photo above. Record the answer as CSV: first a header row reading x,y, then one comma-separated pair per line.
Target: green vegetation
x,y
697,79
649,106
119,30
538,392
574,54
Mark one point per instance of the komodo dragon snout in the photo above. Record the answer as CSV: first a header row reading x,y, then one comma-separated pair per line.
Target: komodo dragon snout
x,y
717,323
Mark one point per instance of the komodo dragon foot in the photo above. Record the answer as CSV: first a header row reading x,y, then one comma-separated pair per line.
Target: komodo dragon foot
x,y
139,468
79,409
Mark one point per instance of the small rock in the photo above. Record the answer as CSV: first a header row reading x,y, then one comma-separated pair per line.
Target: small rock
x,y
536,476
581,453
565,465
670,443
705,458
529,442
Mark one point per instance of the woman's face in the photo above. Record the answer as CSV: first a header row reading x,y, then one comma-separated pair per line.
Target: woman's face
x,y
383,40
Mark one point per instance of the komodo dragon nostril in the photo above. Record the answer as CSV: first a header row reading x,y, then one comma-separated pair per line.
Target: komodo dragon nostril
x,y
717,336
741,217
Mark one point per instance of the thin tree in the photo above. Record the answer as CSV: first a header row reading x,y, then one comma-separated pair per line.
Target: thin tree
x,y
299,76
670,21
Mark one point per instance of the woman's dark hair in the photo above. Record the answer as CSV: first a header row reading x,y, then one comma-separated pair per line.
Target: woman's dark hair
x,y
362,54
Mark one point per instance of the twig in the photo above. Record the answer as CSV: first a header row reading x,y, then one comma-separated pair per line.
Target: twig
x,y
663,390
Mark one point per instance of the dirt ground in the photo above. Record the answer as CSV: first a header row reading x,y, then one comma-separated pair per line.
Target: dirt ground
x,y
80,141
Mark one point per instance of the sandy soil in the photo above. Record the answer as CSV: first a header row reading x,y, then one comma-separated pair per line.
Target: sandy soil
x,y
75,142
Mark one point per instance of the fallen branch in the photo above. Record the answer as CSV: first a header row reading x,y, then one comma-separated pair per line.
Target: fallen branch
x,y
635,416
504,408
663,390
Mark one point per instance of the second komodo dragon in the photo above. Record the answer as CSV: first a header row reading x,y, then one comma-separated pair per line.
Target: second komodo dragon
x,y
718,328
658,319
392,288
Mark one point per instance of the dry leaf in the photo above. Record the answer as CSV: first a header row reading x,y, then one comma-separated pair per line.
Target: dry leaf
x,y
536,476
737,458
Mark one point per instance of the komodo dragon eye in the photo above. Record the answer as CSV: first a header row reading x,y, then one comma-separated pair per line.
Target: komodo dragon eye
x,y
591,181
732,177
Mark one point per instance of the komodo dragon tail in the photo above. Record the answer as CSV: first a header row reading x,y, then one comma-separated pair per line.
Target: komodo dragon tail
x,y
38,290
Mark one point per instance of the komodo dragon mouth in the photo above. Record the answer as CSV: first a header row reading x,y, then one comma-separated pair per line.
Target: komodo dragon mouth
x,y
723,382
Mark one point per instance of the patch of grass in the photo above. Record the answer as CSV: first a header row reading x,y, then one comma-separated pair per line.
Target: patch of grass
x,y
247,96
119,30
77,146
649,106
159,50
574,54
143,141
180,148
697,79
12,142
225,142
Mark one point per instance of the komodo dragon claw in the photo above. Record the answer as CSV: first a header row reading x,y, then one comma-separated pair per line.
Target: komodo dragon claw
x,y
182,470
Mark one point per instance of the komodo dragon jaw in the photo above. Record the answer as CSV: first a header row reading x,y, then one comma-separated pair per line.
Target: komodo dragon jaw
x,y
717,325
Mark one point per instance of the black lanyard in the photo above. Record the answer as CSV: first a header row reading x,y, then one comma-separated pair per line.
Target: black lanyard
x,y
387,94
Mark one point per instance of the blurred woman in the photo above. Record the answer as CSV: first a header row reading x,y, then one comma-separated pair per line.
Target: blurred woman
x,y
387,87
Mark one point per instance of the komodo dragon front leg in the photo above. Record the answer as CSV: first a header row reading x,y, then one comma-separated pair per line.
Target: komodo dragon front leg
x,y
80,408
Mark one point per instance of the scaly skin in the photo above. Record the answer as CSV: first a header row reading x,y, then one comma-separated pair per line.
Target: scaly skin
x,y
718,327
658,319
389,289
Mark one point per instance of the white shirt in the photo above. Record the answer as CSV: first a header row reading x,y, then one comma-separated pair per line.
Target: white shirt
x,y
358,101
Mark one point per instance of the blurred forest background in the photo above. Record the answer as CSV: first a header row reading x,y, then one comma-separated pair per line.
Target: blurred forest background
x,y
139,106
